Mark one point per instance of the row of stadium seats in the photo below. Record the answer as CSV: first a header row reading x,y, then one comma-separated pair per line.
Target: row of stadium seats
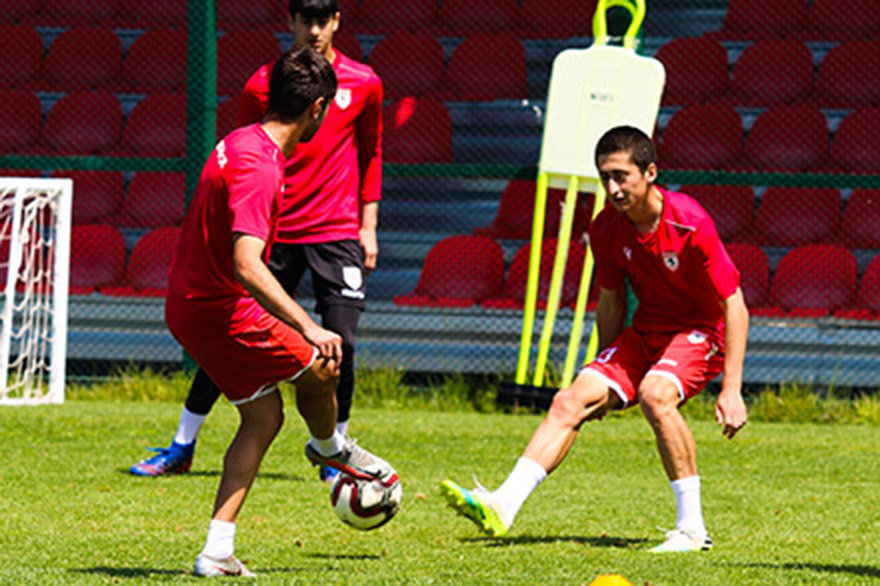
x,y
820,20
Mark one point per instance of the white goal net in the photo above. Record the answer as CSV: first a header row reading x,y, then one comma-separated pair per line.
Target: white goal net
x,y
35,219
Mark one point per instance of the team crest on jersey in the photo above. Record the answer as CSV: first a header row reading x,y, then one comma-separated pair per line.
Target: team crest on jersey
x,y
696,337
343,98
670,259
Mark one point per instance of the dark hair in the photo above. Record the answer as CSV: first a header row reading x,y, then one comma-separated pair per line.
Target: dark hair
x,y
313,8
299,77
630,139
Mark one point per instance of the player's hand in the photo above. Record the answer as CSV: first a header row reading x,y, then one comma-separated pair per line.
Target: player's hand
x,y
371,248
329,343
730,411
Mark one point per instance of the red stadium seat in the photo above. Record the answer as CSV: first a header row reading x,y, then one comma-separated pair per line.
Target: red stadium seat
x,y
21,55
97,257
815,276
97,194
348,45
348,10
860,227
156,62
869,288
154,14
157,126
239,55
409,64
78,12
84,123
446,280
702,137
696,70
149,265
828,20
20,120
772,72
462,18
16,11
417,130
777,225
849,76
516,212
486,68
245,15
854,148
754,269
757,19
556,18
732,207
226,117
378,17
153,200
83,58
788,138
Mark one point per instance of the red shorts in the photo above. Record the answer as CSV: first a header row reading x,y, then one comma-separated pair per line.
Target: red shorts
x,y
690,359
246,358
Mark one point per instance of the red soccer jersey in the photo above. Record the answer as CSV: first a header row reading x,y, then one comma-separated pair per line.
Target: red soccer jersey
x,y
238,191
328,177
680,272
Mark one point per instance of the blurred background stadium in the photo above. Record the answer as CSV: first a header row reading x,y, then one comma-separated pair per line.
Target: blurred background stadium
x,y
770,118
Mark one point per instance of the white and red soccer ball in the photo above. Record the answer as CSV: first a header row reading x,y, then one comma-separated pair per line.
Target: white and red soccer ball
x,y
366,504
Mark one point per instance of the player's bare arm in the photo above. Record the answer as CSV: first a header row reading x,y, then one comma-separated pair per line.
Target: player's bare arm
x,y
610,315
254,275
730,410
367,234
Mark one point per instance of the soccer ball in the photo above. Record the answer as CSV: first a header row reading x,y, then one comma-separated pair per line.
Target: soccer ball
x,y
366,504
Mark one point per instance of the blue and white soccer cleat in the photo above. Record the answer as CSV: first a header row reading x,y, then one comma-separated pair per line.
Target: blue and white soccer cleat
x,y
209,567
175,459
681,541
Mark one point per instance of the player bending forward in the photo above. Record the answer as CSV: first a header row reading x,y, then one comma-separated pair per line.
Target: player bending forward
x,y
234,318
691,322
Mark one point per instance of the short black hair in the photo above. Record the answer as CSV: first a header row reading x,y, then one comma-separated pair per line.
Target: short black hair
x,y
299,77
630,139
313,8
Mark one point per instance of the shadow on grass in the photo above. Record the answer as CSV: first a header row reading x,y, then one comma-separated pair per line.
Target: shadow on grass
x,y
127,572
218,473
355,557
601,541
868,571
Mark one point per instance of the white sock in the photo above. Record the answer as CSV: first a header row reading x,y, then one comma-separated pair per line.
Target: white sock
x,y
330,446
342,428
189,426
687,502
220,543
522,481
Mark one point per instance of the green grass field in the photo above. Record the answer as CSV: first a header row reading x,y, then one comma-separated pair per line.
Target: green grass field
x,y
785,503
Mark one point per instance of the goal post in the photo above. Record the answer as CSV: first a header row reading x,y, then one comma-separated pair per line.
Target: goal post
x,y
35,227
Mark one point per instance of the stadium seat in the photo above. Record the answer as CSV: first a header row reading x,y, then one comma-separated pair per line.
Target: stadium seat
x,y
757,19
156,62
97,257
869,287
83,58
516,213
788,138
377,17
776,224
854,148
21,120
702,137
78,12
860,226
409,64
849,76
828,20
732,207
348,45
247,15
157,126
153,200
239,55
754,269
226,117
447,281
771,73
84,123
149,265
153,14
696,70
349,10
815,277
556,18
462,18
16,11
486,68
97,194
21,55
417,130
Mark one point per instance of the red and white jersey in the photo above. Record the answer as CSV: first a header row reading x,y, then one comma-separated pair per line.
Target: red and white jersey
x,y
328,177
239,191
680,272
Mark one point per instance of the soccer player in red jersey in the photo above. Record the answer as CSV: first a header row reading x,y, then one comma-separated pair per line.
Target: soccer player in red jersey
x,y
329,213
230,313
690,325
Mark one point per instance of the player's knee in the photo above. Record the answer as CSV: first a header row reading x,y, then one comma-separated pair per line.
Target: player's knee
x,y
322,377
570,407
658,398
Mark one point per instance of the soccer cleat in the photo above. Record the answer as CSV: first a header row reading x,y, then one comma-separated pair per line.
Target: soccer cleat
x,y
175,459
477,506
209,567
353,460
680,540
328,474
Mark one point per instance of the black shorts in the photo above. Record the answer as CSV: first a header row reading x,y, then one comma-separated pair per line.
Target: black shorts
x,y
337,271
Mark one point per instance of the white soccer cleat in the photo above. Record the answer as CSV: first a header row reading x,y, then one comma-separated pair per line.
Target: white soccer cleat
x,y
209,567
681,541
